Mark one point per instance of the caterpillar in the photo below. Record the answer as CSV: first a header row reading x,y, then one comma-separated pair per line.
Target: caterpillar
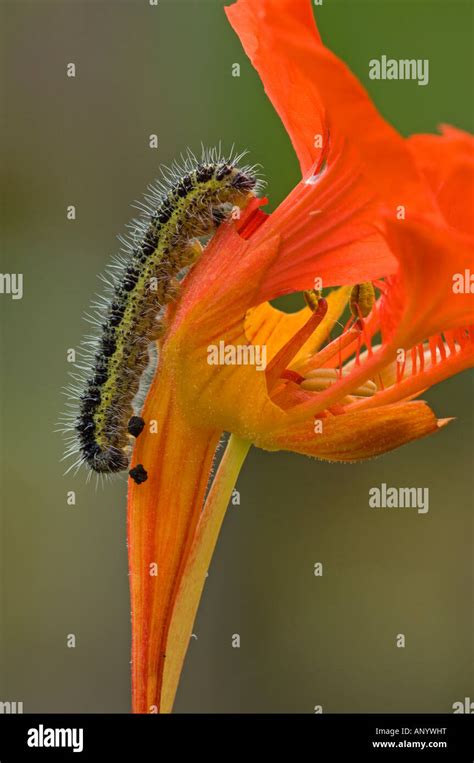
x,y
187,205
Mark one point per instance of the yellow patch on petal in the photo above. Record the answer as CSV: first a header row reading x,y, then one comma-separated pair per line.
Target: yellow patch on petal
x,y
231,397
267,325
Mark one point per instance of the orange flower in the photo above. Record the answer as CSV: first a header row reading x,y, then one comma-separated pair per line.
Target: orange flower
x,y
447,162
343,398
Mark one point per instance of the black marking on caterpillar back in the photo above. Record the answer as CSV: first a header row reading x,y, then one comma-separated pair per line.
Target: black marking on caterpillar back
x,y
190,204
135,426
138,474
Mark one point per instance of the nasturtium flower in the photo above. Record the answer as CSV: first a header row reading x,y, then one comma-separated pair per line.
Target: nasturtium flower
x,y
338,395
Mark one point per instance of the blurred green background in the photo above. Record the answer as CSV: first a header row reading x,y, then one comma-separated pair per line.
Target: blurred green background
x,y
305,640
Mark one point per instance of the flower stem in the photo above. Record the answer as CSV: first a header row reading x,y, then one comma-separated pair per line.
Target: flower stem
x,y
197,565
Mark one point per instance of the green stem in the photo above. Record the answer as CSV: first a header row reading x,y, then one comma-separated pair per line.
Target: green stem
x,y
197,564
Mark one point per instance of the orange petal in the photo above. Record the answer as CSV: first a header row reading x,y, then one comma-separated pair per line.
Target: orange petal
x,y
356,436
437,155
216,296
231,397
328,223
415,383
423,300
328,231
447,161
225,282
270,33
162,516
313,91
456,198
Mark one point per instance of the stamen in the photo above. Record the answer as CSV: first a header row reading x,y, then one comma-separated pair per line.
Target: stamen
x,y
421,356
449,336
359,347
340,358
322,378
401,368
293,376
312,297
441,347
333,348
285,355
362,299
462,338
367,337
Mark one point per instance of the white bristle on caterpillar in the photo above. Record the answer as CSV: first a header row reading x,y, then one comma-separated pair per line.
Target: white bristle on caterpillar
x,y
113,368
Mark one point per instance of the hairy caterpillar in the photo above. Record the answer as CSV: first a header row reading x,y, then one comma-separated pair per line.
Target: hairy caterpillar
x,y
191,202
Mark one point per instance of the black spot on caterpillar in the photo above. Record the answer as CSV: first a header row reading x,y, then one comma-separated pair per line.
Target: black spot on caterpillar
x,y
191,202
138,474
135,426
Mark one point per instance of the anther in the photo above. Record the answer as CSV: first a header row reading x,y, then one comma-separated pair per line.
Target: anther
x,y
362,299
312,297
